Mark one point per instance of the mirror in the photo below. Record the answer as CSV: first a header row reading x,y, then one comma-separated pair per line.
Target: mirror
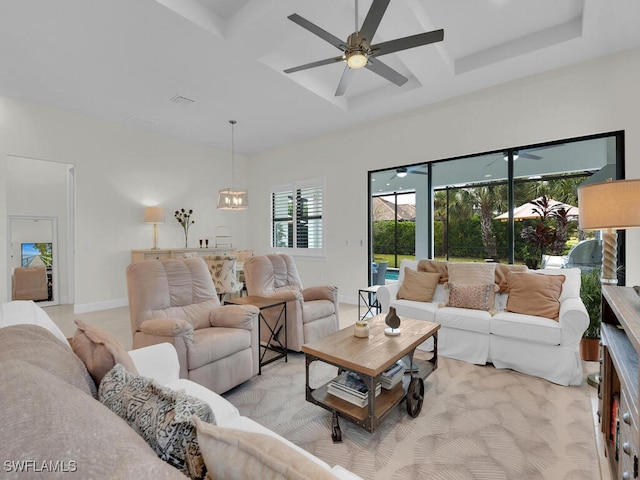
x,y
33,259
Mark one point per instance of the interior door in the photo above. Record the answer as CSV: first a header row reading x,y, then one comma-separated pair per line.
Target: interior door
x,y
33,244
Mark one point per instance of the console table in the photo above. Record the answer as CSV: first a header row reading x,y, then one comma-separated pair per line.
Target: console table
x,y
618,398
164,253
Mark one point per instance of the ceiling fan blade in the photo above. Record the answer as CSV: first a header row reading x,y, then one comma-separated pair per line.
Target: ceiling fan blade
x,y
530,156
319,63
316,30
405,43
373,19
344,81
385,71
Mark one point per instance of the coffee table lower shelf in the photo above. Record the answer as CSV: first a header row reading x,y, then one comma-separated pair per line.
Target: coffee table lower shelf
x,y
366,417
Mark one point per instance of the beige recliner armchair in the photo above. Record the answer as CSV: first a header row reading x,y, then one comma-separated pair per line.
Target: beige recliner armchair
x,y
175,301
312,313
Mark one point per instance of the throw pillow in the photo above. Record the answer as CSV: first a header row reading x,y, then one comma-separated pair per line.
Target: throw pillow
x,y
237,455
474,297
99,350
434,266
471,273
163,417
502,275
418,286
535,294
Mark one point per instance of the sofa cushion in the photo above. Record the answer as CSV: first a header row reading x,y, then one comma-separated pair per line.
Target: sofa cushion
x,y
418,286
502,275
464,319
46,419
572,280
100,350
212,344
535,294
526,327
418,310
434,266
237,455
163,417
475,297
38,346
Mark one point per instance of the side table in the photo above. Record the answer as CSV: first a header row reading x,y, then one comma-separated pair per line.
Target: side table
x,y
368,299
273,343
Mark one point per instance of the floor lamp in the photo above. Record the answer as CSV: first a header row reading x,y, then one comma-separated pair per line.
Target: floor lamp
x,y
609,206
154,215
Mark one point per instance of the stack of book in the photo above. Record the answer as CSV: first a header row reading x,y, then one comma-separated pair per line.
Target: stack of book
x,y
392,375
350,387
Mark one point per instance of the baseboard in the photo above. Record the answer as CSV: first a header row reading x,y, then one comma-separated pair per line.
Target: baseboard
x,y
94,307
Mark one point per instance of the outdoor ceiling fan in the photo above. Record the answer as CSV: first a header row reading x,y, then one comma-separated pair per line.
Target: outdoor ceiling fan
x,y
402,172
358,51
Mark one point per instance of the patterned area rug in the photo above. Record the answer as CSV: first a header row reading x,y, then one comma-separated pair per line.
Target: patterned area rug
x,y
477,422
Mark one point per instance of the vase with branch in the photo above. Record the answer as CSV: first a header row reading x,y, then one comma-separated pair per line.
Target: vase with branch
x,y
184,218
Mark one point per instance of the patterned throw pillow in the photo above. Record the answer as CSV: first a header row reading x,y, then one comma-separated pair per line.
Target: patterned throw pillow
x,y
160,415
475,297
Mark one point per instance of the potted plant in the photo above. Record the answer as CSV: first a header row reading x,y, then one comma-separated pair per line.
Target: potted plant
x,y
591,295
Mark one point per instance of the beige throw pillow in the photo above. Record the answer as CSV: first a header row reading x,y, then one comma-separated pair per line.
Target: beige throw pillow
x,y
502,275
237,455
434,266
418,286
475,297
535,294
100,351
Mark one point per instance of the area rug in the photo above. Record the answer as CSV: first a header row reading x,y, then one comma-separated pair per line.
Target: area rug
x,y
477,422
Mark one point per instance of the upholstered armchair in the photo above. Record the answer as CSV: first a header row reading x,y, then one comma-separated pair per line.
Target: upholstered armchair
x,y
312,313
175,301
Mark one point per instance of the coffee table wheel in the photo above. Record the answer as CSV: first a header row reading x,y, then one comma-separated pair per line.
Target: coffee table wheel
x,y
336,433
415,396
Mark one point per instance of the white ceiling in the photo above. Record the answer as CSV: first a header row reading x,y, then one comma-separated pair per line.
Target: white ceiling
x,y
124,60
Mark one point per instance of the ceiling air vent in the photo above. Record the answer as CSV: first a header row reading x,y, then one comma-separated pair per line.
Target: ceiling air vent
x,y
179,99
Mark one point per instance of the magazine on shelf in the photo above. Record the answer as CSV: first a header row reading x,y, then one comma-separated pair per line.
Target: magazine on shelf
x,y
344,395
352,382
392,375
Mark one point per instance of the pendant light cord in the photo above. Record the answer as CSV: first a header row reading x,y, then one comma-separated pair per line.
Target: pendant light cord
x,y
233,152
356,16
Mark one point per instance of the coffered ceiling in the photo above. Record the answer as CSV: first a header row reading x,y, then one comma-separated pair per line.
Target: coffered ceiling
x,y
186,67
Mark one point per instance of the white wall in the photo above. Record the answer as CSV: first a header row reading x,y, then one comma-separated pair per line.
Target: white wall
x,y
588,98
118,170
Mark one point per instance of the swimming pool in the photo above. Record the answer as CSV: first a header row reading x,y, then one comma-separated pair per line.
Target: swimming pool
x,y
392,274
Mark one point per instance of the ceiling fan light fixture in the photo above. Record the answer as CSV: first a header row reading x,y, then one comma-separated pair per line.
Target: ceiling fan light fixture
x,y
401,172
357,59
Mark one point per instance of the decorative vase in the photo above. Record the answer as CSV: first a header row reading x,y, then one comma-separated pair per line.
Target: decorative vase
x,y
186,240
393,321
361,329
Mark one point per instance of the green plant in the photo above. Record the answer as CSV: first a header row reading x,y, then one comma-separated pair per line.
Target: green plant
x,y
591,295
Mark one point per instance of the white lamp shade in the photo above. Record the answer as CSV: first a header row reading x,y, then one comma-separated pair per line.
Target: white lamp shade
x,y
233,199
609,205
154,215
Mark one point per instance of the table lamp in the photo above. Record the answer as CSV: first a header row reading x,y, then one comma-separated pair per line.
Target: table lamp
x,y
609,206
154,215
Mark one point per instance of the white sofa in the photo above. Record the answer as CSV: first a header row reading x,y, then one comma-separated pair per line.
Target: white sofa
x,y
128,455
529,344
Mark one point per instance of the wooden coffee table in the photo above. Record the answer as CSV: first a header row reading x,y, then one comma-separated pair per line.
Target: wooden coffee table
x,y
369,357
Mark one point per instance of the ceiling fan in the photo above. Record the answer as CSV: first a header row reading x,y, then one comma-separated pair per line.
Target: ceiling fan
x,y
359,52
402,172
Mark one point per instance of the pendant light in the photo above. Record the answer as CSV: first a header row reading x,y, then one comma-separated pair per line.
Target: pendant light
x,y
233,198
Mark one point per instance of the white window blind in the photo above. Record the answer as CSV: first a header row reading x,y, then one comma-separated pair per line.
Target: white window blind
x,y
297,217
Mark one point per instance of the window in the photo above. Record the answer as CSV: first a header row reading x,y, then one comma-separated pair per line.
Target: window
x,y
297,217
